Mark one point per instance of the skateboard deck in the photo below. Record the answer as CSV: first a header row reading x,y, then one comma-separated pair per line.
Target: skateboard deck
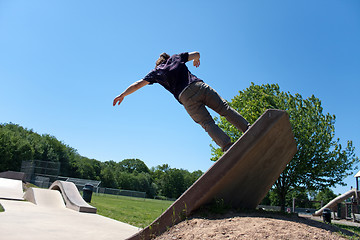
x,y
242,177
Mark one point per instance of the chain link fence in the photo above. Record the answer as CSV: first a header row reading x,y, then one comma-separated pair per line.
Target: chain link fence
x,y
40,173
121,192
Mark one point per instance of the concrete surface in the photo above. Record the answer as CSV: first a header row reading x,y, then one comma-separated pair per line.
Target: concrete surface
x,y
25,220
11,189
72,197
241,177
44,216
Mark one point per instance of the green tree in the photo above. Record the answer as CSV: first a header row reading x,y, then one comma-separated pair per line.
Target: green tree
x,y
320,162
158,174
173,183
86,168
142,183
107,175
324,196
14,147
58,152
131,165
125,180
159,171
301,197
190,178
18,144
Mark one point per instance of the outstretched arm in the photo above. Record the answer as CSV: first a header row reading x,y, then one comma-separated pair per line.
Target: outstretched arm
x,y
132,88
195,56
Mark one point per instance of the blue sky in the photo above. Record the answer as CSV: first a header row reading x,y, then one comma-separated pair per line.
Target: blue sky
x,y
63,62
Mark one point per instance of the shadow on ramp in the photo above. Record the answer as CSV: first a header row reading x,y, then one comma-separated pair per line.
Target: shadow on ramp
x,y
241,177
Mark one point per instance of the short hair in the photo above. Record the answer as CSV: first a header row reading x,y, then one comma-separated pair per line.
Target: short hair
x,y
162,59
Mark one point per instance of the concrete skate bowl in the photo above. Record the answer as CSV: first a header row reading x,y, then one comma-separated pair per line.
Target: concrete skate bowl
x,y
241,177
72,197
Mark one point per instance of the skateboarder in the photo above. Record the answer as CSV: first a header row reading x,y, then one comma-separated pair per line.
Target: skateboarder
x,y
173,74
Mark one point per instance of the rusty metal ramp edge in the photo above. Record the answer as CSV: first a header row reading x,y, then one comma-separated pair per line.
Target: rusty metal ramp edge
x,y
241,177
72,197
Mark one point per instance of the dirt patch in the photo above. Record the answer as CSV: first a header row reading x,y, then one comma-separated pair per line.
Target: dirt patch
x,y
251,226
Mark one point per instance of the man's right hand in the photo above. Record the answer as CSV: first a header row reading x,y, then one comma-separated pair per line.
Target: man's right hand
x,y
132,88
118,99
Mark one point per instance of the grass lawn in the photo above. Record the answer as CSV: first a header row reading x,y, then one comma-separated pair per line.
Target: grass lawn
x,y
138,212
353,229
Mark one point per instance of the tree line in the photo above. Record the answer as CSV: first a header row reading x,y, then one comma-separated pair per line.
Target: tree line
x,y
18,143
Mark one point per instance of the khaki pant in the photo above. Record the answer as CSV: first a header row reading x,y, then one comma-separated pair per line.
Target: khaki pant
x,y
198,95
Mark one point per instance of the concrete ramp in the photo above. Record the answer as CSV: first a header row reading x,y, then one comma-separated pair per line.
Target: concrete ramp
x,y
13,175
45,197
241,177
11,189
72,197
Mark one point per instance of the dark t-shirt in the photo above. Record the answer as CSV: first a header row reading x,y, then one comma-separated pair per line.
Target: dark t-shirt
x,y
173,75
